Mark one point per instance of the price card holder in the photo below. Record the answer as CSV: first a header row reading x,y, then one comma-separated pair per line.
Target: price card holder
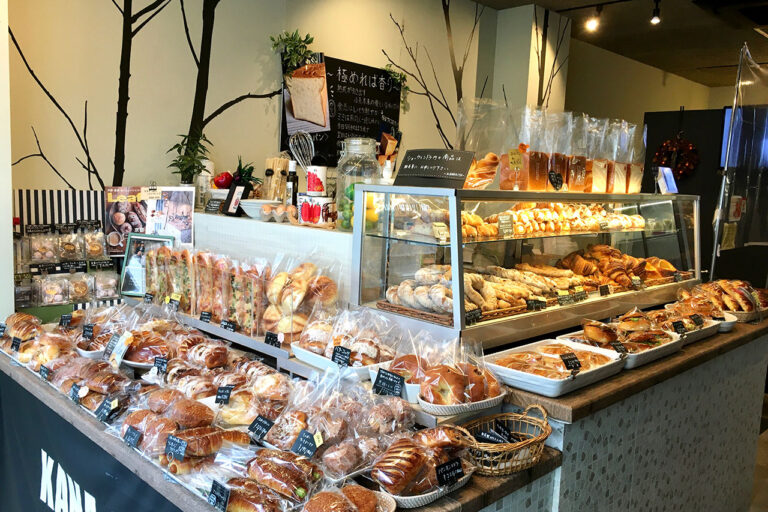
x,y
619,347
274,339
535,304
228,325
15,344
637,283
161,363
65,320
570,361
580,294
341,355
173,301
449,472
45,372
132,437
697,320
260,427
88,331
219,496
388,383
473,316
604,289
304,444
564,298
679,327
205,316
149,298
506,229
223,393
175,448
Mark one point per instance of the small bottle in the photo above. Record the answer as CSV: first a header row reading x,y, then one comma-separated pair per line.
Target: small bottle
x,y
291,185
386,173
281,186
269,192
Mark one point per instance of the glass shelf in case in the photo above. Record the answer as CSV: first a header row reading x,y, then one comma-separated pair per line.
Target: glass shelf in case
x,y
528,262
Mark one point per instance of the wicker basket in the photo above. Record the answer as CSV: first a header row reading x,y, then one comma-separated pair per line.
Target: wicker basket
x,y
415,313
507,458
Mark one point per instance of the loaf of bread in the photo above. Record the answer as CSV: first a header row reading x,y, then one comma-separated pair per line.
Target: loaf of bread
x,y
188,465
209,354
399,465
286,429
328,501
444,385
190,413
283,479
364,499
310,470
248,496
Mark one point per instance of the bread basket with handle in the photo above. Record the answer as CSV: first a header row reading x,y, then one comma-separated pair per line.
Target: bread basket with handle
x,y
498,459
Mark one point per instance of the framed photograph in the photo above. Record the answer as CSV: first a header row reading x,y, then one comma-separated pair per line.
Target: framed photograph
x,y
132,279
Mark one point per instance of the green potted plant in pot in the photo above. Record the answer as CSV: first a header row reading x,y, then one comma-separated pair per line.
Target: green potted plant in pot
x,y
189,160
244,174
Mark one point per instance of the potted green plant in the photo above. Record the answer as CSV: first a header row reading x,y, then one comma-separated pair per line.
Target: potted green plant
x,y
189,161
244,174
293,49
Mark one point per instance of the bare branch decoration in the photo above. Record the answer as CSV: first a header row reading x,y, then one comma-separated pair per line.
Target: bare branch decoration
x,y
41,154
237,100
120,9
186,32
136,30
149,8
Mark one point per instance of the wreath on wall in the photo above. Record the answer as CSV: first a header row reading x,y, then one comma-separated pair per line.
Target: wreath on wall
x,y
679,154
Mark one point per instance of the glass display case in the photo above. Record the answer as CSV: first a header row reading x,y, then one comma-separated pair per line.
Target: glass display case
x,y
523,263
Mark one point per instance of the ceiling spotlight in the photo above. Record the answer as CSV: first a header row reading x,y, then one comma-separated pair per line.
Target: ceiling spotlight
x,y
593,22
656,16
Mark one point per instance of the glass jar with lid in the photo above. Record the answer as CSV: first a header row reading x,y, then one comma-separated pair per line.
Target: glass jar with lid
x,y
358,164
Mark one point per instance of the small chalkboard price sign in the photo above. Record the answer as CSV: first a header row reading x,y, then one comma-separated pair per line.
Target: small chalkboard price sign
x,y
260,427
571,361
341,355
449,472
388,383
434,168
304,444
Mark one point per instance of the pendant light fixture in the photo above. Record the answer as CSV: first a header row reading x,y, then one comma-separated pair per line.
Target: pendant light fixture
x,y
593,23
656,16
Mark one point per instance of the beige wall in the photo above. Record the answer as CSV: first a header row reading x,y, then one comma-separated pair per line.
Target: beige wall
x,y
720,97
74,46
6,237
605,84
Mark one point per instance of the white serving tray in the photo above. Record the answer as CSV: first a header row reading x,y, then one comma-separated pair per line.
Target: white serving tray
x,y
640,358
709,328
323,363
411,390
425,499
554,387
727,324
448,410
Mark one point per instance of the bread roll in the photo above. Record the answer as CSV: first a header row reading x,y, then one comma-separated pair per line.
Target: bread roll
x,y
190,413
327,501
444,385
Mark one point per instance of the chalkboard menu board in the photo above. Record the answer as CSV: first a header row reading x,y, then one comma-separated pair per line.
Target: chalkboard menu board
x,y
434,168
362,101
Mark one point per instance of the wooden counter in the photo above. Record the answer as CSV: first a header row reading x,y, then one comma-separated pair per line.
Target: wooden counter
x,y
478,493
583,402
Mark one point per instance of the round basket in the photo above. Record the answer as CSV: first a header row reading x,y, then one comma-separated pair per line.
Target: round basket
x,y
507,458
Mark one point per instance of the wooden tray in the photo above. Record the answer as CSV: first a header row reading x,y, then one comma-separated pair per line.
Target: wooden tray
x,y
415,313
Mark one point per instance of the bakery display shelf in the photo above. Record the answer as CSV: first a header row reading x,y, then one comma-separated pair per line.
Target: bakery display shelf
x,y
431,241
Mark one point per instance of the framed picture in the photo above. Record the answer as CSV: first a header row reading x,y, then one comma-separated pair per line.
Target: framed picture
x,y
133,277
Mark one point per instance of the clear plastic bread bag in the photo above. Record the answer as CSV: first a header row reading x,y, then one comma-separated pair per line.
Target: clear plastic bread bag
x,y
417,352
559,143
317,334
637,161
80,286
481,127
54,290
291,476
482,384
162,259
43,248
623,157
376,341
204,282
609,152
95,244
184,280
105,285
258,274
71,246
539,152
597,167
577,160
514,161
240,303
444,382
220,270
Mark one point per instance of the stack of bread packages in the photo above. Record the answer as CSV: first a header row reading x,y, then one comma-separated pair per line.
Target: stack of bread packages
x,y
481,127
370,336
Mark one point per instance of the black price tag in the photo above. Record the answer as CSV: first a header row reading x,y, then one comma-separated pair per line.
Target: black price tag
x,y
132,437
88,331
65,228
535,304
15,344
223,393
88,224
45,372
47,268
304,444
173,303
679,327
205,316
506,229
74,393
74,266
175,448
564,298
678,276
500,428
489,436
105,408
219,496
260,427
570,361
637,283
228,325
603,225
619,347
556,180
2,329
65,320
149,298
272,338
697,320
161,363
472,316
213,205
388,383
450,472
580,295
604,289
341,355
101,265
